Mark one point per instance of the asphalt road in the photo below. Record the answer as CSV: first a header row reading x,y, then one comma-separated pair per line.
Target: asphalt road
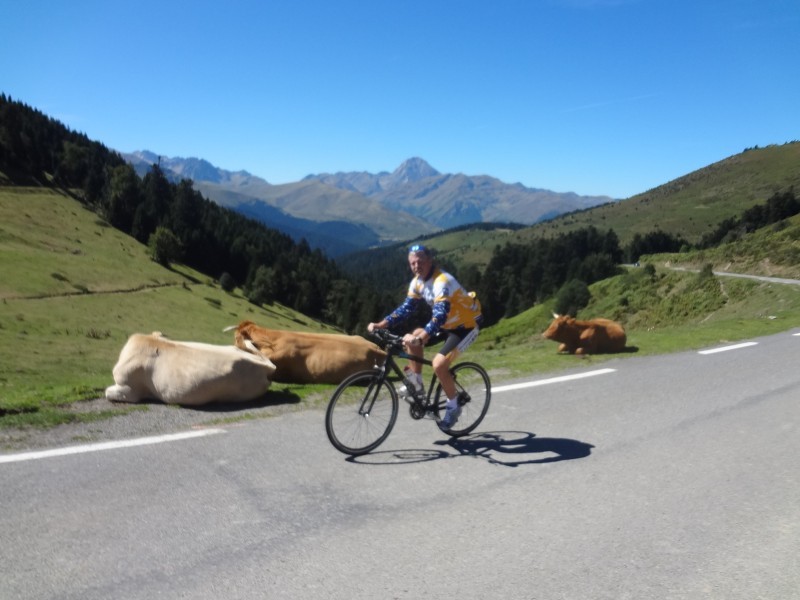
x,y
669,477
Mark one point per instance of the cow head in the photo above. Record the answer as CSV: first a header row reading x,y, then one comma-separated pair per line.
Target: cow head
x,y
251,337
561,328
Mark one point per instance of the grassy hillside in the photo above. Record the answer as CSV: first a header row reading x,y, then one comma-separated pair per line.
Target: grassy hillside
x,y
73,290
772,251
470,246
695,203
690,206
662,311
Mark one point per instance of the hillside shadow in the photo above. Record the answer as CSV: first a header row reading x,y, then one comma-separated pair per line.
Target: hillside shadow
x,y
505,448
191,278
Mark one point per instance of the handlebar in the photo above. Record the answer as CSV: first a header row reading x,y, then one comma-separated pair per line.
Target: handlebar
x,y
386,338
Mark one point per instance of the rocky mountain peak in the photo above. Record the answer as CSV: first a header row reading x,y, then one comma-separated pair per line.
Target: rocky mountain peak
x,y
196,169
412,170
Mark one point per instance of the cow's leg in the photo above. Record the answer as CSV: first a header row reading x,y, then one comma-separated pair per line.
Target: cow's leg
x,y
588,342
121,393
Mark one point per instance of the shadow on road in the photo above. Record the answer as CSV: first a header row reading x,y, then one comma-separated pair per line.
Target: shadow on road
x,y
506,448
269,399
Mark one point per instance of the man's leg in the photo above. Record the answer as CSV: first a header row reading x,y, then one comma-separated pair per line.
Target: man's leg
x,y
456,343
453,347
419,352
441,366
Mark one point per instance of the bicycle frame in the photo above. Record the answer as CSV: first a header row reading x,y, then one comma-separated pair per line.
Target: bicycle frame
x,y
363,408
420,403
375,385
390,365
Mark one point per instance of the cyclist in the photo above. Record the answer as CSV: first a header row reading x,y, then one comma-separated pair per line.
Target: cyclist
x,y
456,320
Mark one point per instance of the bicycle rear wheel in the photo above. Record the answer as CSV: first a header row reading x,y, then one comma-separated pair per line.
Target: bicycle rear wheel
x,y
472,379
361,413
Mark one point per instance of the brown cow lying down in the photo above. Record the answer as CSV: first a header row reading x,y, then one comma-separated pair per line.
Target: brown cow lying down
x,y
302,357
187,373
595,336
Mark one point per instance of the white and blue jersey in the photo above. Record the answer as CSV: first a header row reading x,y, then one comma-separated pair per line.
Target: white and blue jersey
x,y
452,306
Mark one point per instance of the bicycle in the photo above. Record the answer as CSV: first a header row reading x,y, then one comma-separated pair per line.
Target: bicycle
x,y
363,409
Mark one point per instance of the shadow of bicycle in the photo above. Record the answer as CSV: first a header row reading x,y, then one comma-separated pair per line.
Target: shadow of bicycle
x,y
506,448
525,447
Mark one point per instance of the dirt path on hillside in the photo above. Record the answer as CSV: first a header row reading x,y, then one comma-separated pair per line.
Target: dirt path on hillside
x,y
789,280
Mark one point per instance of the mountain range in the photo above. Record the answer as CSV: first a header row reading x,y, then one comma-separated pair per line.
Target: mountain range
x,y
344,212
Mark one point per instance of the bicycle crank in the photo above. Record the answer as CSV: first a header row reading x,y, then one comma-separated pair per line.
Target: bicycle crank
x,y
417,411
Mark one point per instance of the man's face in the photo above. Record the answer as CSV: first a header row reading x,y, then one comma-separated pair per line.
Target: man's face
x,y
420,263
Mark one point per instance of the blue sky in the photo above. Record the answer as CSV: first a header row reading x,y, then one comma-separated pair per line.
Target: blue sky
x,y
598,97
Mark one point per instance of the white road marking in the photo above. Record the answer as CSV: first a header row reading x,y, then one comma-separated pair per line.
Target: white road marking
x,y
726,348
8,458
158,439
527,384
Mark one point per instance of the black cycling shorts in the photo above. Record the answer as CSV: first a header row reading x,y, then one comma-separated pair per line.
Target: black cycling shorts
x,y
455,339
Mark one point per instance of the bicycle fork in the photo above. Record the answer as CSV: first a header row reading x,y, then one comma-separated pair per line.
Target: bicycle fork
x,y
369,398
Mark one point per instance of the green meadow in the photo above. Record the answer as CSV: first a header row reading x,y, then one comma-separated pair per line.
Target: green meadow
x,y
72,289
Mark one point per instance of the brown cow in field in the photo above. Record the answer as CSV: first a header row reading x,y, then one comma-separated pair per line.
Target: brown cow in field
x,y
187,373
302,357
595,336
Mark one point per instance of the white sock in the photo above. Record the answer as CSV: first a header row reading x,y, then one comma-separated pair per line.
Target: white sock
x,y
451,402
413,377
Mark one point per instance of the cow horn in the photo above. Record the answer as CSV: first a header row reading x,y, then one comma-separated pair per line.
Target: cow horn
x,y
556,315
230,328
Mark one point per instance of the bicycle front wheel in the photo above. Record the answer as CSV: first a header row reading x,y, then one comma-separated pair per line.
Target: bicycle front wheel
x,y
473,380
361,413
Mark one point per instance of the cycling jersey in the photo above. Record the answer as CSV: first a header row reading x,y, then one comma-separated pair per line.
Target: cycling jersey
x,y
452,306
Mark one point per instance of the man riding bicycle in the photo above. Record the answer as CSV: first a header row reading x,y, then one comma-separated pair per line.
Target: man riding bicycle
x,y
456,319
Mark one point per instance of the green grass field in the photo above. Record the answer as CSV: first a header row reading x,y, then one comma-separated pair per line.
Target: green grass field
x,y
690,206
73,289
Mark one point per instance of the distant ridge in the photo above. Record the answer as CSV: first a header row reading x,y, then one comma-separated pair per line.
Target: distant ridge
x,y
195,169
409,172
452,200
414,199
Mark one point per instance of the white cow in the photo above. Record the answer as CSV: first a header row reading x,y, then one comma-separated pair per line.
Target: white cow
x,y
187,373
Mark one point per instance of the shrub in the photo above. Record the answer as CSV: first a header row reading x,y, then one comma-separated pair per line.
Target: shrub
x,y
164,246
227,282
261,289
573,296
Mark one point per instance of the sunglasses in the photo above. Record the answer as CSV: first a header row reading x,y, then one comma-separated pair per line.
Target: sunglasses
x,y
417,248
